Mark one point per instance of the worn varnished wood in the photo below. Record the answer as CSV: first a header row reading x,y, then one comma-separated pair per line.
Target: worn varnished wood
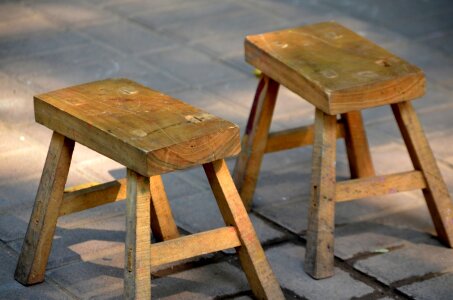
x,y
38,239
295,137
248,163
436,193
194,245
137,271
334,68
359,156
140,128
320,230
379,185
253,260
163,223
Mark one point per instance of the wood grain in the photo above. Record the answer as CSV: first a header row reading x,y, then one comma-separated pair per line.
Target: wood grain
x,y
137,271
90,197
248,163
357,149
379,185
334,68
163,223
319,256
251,255
295,137
43,221
194,245
138,127
436,193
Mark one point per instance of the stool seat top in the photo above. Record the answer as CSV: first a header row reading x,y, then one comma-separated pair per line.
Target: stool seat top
x,y
334,68
143,129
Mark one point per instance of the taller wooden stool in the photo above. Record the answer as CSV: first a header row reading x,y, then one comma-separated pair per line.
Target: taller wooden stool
x,y
151,134
340,73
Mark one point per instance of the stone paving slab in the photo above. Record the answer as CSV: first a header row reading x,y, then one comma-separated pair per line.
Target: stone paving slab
x,y
287,262
437,288
194,51
413,260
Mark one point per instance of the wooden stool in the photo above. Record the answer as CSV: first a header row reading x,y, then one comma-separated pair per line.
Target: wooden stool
x,y
340,73
150,133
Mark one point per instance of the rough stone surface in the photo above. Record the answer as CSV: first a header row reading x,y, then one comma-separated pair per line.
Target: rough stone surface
x,y
412,261
287,263
437,288
193,50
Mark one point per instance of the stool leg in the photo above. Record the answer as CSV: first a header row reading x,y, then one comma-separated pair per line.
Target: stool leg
x,y
436,193
137,273
43,221
254,141
319,257
360,163
254,262
163,223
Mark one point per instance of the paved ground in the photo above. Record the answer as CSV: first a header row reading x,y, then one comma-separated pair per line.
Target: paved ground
x,y
385,247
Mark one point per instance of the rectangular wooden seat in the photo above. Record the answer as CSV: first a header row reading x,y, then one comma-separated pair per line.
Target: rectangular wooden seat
x,y
334,68
138,127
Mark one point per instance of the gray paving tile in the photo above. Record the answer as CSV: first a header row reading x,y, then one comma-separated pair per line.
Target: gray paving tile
x,y
26,26
287,263
192,66
292,214
85,241
438,288
199,212
38,43
128,37
131,8
407,262
71,14
43,291
205,282
178,15
371,237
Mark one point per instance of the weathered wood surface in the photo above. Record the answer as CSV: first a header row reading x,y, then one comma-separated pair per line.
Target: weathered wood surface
x,y
93,196
254,141
319,257
334,68
436,193
43,221
379,185
251,255
357,149
295,137
138,127
163,223
194,245
137,271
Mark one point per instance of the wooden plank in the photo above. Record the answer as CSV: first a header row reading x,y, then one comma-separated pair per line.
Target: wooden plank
x,y
163,223
248,163
357,149
334,68
295,137
251,255
320,231
436,193
85,198
194,245
379,185
138,127
137,272
41,228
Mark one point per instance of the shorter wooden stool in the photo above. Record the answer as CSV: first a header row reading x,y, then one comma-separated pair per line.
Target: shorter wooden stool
x,y
340,73
151,134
